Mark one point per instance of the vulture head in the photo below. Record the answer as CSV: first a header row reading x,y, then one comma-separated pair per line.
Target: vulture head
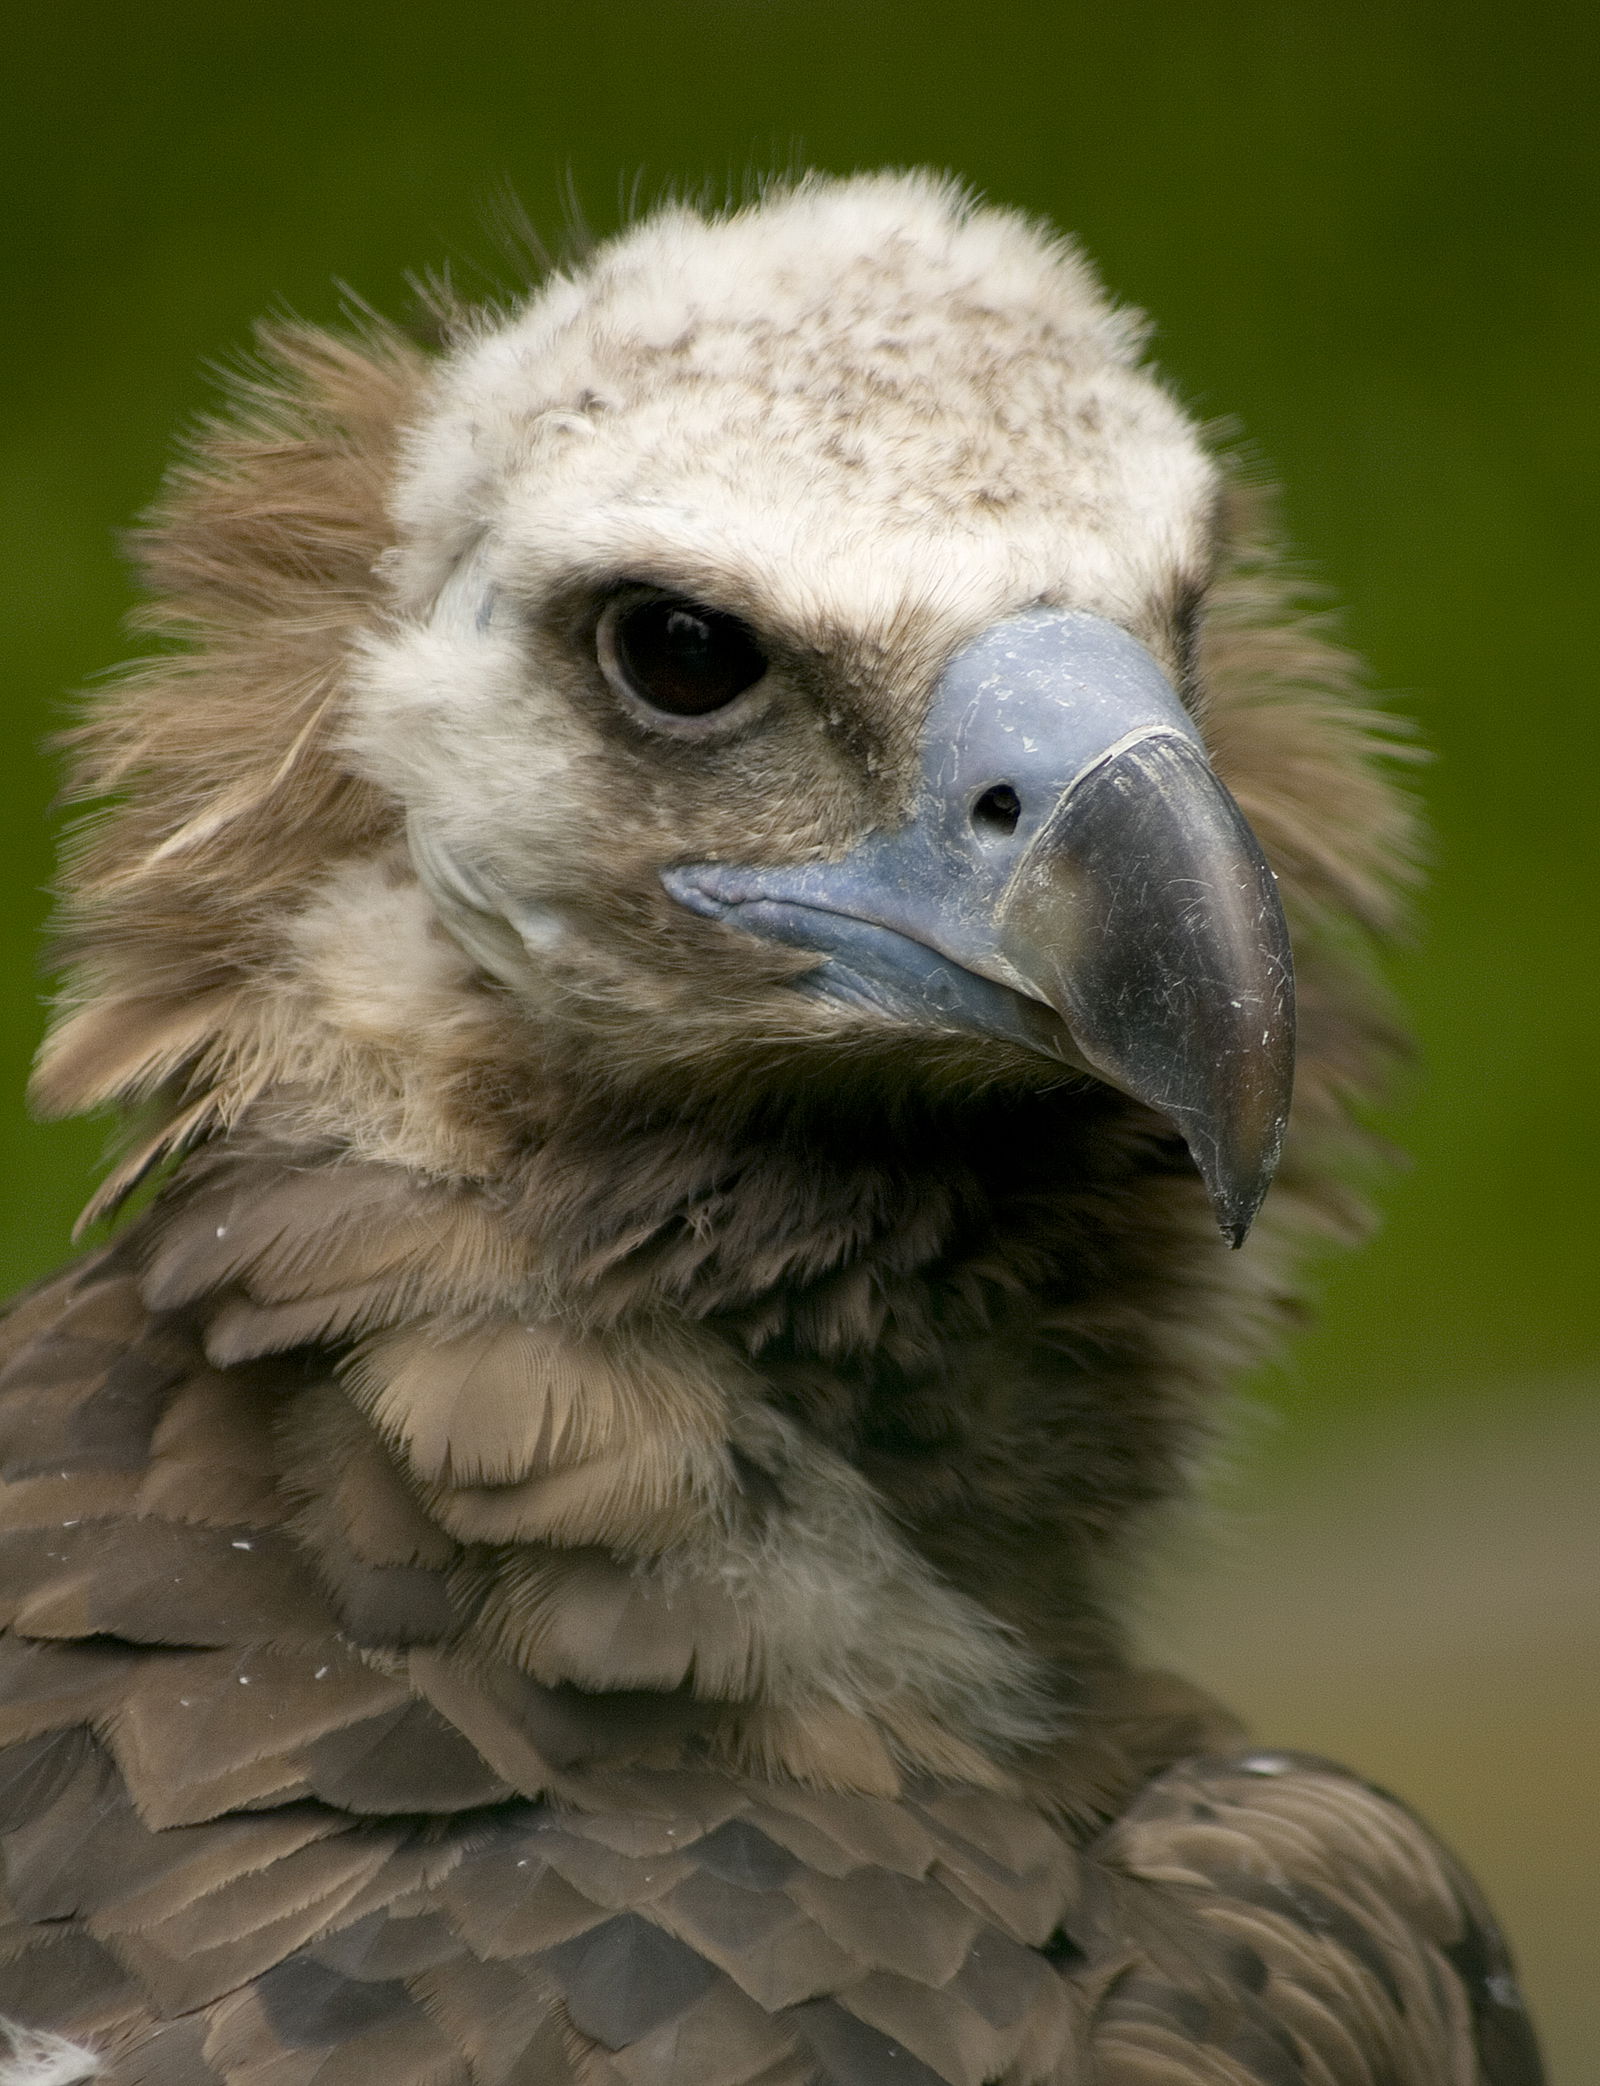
x,y
793,623
700,912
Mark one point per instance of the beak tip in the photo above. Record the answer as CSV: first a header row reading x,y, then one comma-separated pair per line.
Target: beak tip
x,y
1237,1192
1235,1218
1235,1230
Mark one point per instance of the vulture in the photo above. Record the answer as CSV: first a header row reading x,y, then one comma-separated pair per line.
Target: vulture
x,y
690,921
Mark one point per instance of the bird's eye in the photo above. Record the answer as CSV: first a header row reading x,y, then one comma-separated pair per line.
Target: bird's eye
x,y
679,657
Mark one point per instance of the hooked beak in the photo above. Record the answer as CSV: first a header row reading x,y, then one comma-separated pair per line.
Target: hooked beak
x,y
1073,877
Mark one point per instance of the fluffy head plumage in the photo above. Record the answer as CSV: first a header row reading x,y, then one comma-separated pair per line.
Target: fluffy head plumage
x,y
870,401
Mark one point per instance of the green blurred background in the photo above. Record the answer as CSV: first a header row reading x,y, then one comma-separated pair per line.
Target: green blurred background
x,y
1369,235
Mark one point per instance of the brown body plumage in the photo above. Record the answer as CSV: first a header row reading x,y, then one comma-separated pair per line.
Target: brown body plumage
x,y
576,1535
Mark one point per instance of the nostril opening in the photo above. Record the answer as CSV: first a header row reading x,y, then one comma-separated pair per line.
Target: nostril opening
x,y
997,810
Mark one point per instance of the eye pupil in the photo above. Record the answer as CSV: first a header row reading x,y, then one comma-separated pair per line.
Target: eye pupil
x,y
684,659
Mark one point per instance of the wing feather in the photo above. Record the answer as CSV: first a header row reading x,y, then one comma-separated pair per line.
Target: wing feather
x,y
285,1800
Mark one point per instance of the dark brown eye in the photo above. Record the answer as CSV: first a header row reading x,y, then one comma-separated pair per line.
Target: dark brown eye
x,y
679,657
